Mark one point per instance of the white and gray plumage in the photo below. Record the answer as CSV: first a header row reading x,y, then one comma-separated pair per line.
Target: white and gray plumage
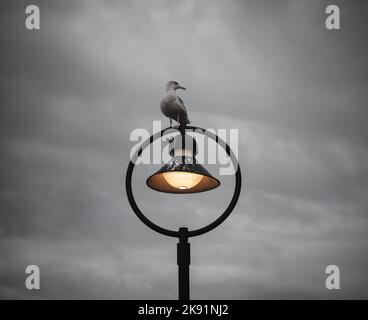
x,y
172,106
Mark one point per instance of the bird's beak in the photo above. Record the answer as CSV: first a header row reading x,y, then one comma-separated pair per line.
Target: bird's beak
x,y
180,87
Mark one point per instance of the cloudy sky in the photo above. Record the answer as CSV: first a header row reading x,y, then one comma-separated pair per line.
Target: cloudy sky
x,y
72,92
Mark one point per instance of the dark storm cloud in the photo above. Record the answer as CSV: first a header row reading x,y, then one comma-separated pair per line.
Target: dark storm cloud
x,y
72,92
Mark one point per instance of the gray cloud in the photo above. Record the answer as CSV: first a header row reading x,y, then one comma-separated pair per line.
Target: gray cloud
x,y
72,92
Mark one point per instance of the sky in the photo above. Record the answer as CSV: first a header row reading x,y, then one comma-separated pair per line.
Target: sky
x,y
72,92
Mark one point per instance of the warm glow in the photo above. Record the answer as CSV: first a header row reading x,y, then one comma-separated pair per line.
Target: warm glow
x,y
182,180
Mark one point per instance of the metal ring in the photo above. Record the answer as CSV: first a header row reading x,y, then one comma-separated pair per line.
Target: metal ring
x,y
196,232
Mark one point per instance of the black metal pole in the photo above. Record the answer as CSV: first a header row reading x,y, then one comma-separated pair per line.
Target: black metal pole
x,y
183,247
183,259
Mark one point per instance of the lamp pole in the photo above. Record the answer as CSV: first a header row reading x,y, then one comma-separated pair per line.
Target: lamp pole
x,y
183,234
183,260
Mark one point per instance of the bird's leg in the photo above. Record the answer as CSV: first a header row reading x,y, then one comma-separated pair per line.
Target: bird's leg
x,y
170,123
177,124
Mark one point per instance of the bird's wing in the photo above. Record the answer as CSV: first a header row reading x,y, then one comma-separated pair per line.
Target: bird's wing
x,y
185,115
182,104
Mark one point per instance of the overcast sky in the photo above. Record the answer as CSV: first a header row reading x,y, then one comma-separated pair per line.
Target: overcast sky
x,y
72,92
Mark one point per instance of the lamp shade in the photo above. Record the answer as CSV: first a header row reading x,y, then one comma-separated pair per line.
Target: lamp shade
x,y
182,174
182,178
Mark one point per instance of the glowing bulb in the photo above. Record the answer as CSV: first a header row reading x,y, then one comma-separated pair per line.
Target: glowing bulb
x,y
182,180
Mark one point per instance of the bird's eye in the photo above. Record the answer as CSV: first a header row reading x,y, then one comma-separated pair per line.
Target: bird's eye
x,y
176,83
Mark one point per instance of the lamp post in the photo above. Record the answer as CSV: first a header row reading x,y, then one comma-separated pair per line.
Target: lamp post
x,y
183,175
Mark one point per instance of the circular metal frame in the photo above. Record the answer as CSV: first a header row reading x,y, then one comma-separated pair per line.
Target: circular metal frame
x,y
190,233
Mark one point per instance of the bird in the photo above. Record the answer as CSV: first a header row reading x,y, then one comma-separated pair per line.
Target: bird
x,y
172,106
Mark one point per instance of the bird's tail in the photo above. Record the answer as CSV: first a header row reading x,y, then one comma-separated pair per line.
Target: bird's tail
x,y
186,121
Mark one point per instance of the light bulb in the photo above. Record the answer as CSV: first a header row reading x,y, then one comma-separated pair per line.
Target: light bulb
x,y
182,180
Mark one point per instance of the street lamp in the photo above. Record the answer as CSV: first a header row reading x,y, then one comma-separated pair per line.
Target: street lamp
x,y
183,175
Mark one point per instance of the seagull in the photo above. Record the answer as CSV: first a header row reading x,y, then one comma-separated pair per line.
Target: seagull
x,y
172,106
